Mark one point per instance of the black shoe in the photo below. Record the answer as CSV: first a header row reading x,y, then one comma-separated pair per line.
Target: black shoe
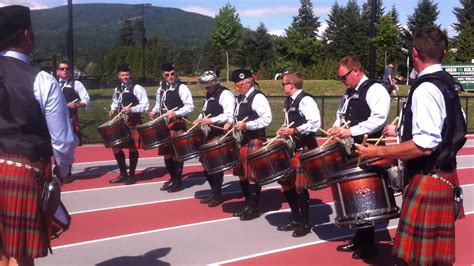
x,y
119,179
206,199
175,186
250,214
241,212
366,253
349,247
166,185
215,201
130,181
291,226
302,230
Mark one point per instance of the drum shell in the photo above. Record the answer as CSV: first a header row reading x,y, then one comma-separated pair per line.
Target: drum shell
x,y
362,198
114,133
320,163
154,134
219,155
271,163
186,146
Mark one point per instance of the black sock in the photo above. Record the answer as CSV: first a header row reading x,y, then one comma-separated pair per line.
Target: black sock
x,y
244,186
292,198
256,195
178,170
120,157
217,180
169,165
303,202
133,162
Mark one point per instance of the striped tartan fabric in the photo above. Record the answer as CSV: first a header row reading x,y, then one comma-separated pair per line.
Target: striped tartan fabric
x,y
425,233
136,141
177,127
23,231
300,179
244,169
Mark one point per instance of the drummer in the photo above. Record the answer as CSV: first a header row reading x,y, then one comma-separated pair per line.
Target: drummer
x,y
130,99
365,104
253,105
175,102
219,106
302,111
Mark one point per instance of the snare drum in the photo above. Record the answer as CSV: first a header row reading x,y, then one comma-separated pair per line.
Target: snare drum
x,y
387,167
186,145
271,163
362,198
320,163
220,155
154,133
115,133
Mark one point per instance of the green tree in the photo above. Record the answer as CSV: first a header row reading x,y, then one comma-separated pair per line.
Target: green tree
x,y
425,14
139,31
255,49
386,39
306,23
335,49
465,27
227,31
126,33
211,58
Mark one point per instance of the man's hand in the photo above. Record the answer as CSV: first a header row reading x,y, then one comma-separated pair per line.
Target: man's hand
x,y
205,121
170,114
285,131
152,114
227,126
112,113
390,131
367,151
340,132
126,109
241,125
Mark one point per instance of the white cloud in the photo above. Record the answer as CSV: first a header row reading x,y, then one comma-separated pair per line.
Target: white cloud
x,y
265,11
32,4
200,10
279,32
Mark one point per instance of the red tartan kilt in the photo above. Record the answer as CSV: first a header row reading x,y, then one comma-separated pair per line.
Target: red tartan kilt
x,y
136,141
23,231
176,128
425,232
244,169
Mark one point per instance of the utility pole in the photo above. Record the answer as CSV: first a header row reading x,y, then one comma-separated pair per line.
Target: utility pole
x,y
372,55
143,6
70,46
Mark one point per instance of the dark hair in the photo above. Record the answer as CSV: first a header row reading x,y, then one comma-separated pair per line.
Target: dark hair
x,y
12,41
295,78
62,61
349,62
431,44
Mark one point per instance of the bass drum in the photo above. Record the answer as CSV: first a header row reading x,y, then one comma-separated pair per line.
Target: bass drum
x,y
271,163
154,133
186,145
220,155
320,163
362,198
115,133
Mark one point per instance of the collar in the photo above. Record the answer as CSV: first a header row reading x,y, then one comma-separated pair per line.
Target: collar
x,y
17,55
431,69
293,97
249,92
362,80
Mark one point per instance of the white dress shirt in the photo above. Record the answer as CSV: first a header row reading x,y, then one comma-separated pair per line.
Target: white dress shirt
x,y
80,90
429,112
139,92
53,106
185,96
261,106
378,100
227,101
308,108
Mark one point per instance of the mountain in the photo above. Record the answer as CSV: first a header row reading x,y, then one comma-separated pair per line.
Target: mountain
x,y
96,27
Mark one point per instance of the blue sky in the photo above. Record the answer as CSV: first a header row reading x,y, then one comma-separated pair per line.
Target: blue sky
x,y
275,14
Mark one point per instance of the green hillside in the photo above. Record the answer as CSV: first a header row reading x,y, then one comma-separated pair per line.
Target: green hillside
x,y
96,27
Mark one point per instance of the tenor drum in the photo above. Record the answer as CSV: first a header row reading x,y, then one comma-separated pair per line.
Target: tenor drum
x,y
320,163
114,133
186,146
389,168
220,155
154,133
271,163
362,198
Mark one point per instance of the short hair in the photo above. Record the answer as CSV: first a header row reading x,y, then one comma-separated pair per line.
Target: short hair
x,y
431,44
62,61
295,78
349,62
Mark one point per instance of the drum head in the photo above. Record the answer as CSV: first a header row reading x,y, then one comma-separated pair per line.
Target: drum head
x,y
350,174
217,142
188,134
112,123
268,149
320,150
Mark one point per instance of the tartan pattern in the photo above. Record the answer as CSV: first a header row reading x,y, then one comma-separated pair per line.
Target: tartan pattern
x,y
244,169
23,231
300,179
136,140
425,233
176,127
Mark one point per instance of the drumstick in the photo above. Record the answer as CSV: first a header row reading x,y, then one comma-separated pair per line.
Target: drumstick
x,y
75,101
232,130
331,137
197,124
164,114
120,112
393,123
277,136
211,125
386,138
364,141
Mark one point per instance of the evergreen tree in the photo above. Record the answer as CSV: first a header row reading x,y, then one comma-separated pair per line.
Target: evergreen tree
x,y
227,31
126,33
425,14
465,27
335,24
306,23
139,31
355,33
255,49
211,58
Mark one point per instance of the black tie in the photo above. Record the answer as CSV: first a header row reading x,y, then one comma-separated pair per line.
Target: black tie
x,y
61,83
123,87
290,101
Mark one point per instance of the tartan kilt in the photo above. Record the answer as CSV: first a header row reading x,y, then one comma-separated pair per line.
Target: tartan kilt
x,y
136,141
244,169
176,127
300,179
425,232
23,229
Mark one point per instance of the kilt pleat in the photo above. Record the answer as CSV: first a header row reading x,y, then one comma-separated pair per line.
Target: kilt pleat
x,y
177,127
425,233
23,230
244,168
300,179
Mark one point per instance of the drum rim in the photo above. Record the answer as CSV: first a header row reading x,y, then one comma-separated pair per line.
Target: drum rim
x,y
347,175
319,150
150,124
109,123
186,134
218,142
265,149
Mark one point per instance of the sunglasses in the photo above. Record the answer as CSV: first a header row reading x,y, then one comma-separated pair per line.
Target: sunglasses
x,y
63,69
169,74
283,84
345,76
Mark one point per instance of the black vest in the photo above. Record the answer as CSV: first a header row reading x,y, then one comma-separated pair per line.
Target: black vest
x,y
214,109
172,96
23,128
245,110
358,110
68,90
308,141
128,98
453,132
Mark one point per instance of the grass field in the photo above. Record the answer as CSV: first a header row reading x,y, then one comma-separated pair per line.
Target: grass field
x,y
327,92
